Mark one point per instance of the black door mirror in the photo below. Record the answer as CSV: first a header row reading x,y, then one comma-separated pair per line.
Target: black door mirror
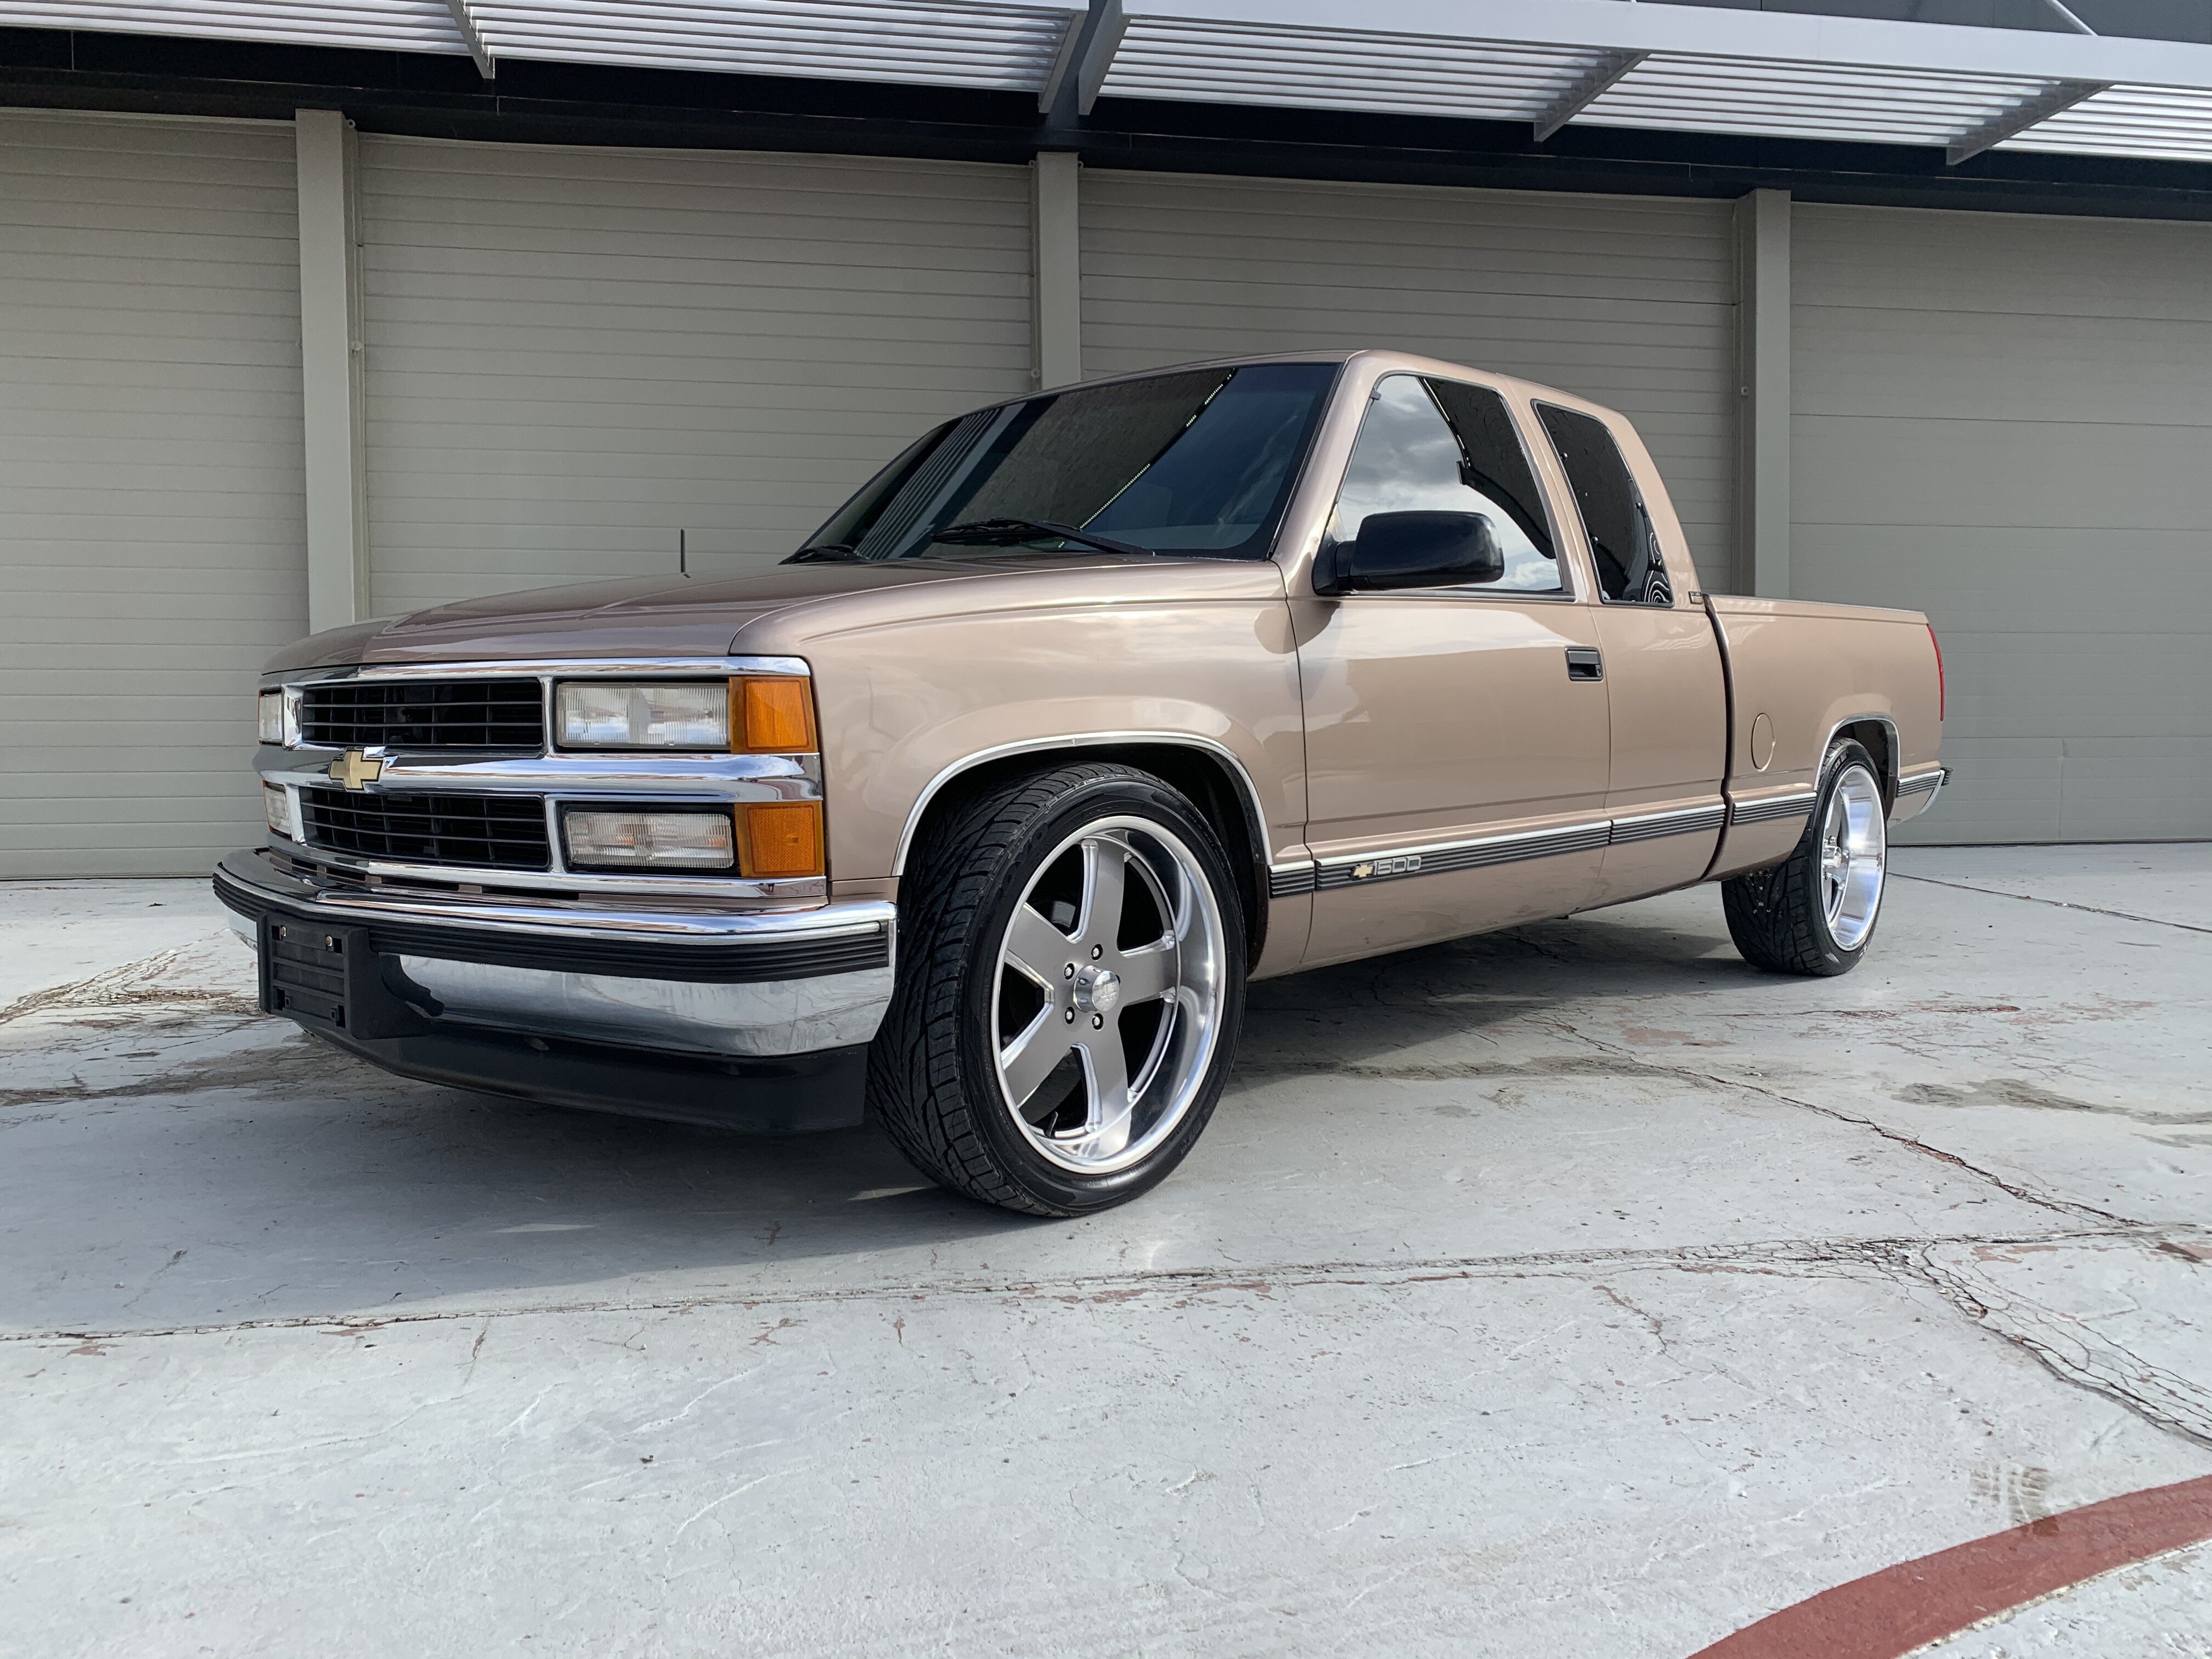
x,y
1412,550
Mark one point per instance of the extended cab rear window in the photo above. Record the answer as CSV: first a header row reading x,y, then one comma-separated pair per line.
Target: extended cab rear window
x,y
1199,461
1623,542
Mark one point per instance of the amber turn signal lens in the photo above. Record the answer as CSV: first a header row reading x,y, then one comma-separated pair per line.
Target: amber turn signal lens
x,y
780,838
775,717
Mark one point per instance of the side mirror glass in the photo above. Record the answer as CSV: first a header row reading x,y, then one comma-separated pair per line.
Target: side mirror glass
x,y
1415,549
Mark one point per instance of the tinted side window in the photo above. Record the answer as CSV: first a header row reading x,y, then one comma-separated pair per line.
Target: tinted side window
x,y
1438,446
1623,546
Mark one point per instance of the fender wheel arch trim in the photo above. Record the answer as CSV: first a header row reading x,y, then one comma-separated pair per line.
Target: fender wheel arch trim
x,y
1893,762
1248,793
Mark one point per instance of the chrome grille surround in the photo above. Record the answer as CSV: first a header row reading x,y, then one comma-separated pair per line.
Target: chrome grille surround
x,y
540,777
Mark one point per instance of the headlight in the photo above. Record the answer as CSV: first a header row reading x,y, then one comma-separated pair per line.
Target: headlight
x,y
271,708
595,714
631,839
276,805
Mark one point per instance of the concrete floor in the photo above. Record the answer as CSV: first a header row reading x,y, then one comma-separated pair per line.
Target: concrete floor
x,y
1573,1291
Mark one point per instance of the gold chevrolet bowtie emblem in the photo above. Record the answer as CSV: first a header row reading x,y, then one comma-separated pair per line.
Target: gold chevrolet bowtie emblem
x,y
354,770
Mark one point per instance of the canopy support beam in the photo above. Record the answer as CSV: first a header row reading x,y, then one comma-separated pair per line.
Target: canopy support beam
x,y
1593,85
2061,96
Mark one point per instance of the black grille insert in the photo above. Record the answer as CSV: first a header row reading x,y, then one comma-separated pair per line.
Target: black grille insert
x,y
498,832
424,714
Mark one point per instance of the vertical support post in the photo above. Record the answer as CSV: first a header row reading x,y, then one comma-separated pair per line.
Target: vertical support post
x,y
330,370
1056,267
1762,367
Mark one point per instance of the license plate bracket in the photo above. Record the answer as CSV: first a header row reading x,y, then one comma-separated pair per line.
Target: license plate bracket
x,y
304,970
330,979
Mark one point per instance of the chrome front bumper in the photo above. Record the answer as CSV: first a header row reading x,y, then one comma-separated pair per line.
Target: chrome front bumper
x,y
751,984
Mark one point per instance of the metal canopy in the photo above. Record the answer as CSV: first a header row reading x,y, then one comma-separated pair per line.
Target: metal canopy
x,y
962,43
1692,69
1549,62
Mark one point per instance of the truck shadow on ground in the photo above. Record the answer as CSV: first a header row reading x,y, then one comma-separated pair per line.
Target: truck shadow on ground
x,y
291,1181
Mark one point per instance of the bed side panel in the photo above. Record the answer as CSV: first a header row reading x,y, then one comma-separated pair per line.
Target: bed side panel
x,y
1799,671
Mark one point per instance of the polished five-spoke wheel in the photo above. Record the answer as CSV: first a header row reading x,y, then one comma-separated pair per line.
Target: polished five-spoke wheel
x,y
1109,994
1071,976
1814,912
1853,846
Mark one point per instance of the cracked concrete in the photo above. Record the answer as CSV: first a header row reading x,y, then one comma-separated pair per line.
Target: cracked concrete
x,y
1574,1290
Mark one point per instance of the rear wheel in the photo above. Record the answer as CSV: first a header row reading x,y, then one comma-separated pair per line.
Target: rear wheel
x,y
1815,913
1071,981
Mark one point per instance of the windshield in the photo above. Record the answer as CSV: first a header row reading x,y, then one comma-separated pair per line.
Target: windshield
x,y
1199,462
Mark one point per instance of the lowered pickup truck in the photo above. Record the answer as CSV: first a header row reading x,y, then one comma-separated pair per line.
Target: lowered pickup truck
x,y
982,808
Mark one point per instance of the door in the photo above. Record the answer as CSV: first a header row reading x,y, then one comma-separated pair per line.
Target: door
x,y
1456,743
1662,670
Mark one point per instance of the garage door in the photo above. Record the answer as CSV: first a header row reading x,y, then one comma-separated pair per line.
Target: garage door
x,y
576,355
2006,421
1627,299
151,519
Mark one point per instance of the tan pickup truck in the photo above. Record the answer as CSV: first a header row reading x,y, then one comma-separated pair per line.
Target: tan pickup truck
x,y
982,808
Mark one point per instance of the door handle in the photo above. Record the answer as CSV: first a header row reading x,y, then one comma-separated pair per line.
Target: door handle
x,y
1583,663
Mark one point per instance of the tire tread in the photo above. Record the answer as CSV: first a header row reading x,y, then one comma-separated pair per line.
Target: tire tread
x,y
915,1074
1774,915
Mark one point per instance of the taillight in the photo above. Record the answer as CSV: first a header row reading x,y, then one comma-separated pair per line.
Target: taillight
x,y
1940,694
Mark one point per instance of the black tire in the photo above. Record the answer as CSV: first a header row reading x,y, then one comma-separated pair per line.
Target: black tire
x,y
932,1078
1776,916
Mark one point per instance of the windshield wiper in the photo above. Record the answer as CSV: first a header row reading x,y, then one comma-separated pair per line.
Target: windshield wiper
x,y
824,553
1005,532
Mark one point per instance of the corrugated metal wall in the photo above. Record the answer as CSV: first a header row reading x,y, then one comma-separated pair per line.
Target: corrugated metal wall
x,y
2006,421
151,521
573,354
1627,299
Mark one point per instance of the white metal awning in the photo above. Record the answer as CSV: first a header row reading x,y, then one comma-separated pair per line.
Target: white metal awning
x,y
964,43
1692,69
1550,63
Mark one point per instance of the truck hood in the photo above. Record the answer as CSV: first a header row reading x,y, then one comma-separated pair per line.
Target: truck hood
x,y
645,617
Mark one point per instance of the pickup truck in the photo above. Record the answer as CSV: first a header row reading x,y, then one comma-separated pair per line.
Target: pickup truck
x,y
980,810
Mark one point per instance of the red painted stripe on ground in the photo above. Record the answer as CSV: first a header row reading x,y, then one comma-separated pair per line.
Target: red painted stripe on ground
x,y
1890,1613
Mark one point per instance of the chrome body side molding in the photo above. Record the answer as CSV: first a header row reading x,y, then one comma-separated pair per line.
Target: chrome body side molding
x,y
1441,858
1685,820
1917,794
1797,805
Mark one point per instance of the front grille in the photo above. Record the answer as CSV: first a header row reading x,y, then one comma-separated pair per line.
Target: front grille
x,y
499,832
424,714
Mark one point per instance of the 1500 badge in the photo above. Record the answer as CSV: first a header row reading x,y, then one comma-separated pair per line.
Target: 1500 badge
x,y
1405,864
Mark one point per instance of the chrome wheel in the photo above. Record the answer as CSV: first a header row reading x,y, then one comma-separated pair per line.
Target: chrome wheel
x,y
1108,1006
1853,846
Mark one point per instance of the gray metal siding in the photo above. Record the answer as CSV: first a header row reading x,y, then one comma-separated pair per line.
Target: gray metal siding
x,y
151,520
1629,301
2006,421
573,354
